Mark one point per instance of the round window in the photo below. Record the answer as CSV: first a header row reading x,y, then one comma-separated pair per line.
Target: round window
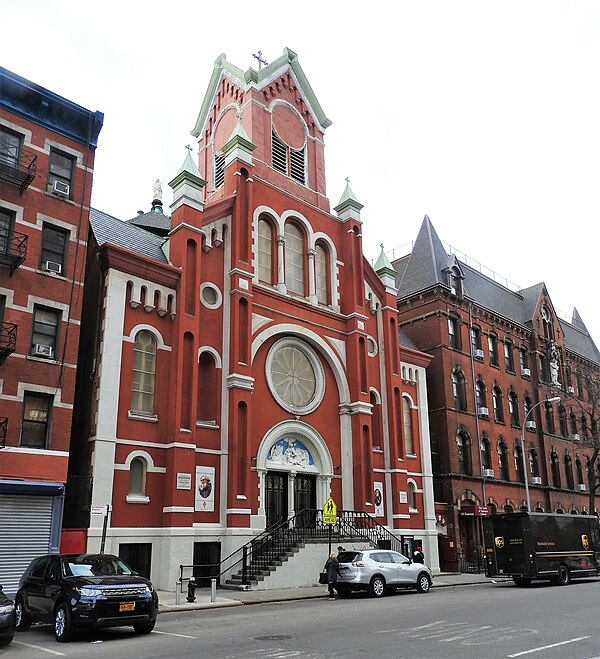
x,y
210,296
295,376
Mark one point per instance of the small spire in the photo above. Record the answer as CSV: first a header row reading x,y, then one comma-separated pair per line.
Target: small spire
x,y
384,265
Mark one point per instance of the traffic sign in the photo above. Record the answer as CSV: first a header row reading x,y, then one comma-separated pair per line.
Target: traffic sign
x,y
330,512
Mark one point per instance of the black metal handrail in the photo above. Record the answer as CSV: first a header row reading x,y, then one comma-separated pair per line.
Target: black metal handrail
x,y
8,340
13,248
263,552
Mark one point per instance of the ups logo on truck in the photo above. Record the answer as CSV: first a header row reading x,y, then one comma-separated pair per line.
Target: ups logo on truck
x,y
499,540
585,541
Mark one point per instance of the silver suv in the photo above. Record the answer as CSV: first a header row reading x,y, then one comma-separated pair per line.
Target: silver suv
x,y
378,570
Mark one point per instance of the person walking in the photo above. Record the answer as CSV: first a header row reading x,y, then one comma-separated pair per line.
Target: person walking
x,y
418,556
331,567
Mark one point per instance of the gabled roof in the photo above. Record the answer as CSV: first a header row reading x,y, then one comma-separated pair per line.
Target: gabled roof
x,y
425,265
109,230
253,79
424,268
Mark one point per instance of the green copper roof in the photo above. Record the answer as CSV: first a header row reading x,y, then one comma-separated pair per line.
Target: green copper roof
x,y
384,265
348,199
189,172
239,137
257,79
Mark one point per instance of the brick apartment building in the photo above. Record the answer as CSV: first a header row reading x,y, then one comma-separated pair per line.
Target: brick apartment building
x,y
47,146
498,356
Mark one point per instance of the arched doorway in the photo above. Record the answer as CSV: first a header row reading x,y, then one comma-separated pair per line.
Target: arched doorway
x,y
295,471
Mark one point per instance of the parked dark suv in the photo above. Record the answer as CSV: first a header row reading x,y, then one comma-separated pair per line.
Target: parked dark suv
x,y
7,619
88,590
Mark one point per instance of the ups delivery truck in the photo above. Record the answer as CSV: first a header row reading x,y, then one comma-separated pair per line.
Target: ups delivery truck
x,y
528,546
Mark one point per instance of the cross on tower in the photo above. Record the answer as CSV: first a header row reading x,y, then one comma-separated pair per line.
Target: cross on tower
x,y
260,59
189,148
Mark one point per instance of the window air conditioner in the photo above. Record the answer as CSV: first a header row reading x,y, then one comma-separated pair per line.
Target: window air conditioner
x,y
479,353
488,473
42,350
536,480
61,188
52,266
575,437
581,487
530,425
526,372
570,390
483,411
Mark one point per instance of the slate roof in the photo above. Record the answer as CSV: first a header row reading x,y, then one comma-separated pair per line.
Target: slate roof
x,y
154,221
405,341
425,267
109,229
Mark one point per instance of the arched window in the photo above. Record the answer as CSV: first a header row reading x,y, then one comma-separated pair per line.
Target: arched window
x,y
569,472
137,477
573,422
562,421
534,466
518,455
321,262
480,394
455,282
527,406
144,373
265,251
412,497
555,466
409,442
584,426
454,332
459,391
497,401
508,508
503,461
463,443
486,453
549,418
513,408
294,259
207,408
579,469
376,422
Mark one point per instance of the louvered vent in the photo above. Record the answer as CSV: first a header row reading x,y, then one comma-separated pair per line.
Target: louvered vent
x,y
297,162
280,152
219,170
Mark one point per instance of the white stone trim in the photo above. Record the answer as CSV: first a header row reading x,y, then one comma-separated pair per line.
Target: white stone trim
x,y
150,467
213,352
178,509
160,342
215,288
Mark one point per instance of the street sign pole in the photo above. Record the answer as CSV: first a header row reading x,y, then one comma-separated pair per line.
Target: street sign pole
x,y
329,525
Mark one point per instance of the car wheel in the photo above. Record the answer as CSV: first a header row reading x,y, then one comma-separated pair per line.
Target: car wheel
x,y
63,627
144,628
377,587
522,582
22,620
5,641
423,583
563,578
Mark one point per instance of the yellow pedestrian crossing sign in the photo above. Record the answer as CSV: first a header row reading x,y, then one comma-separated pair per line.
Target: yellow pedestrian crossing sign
x,y
330,512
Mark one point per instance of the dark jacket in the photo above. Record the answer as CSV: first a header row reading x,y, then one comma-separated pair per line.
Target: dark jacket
x,y
331,567
418,557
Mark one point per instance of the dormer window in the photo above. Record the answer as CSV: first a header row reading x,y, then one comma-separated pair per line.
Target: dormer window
x,y
547,322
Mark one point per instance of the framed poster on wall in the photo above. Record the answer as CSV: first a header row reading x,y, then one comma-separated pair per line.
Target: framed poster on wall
x,y
205,489
378,499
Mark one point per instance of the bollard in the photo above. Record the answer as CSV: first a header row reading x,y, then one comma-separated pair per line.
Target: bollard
x,y
213,590
177,593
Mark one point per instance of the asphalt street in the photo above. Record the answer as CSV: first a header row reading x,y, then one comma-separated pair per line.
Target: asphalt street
x,y
483,620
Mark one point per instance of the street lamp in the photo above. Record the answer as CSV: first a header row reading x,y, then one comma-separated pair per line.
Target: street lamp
x,y
554,399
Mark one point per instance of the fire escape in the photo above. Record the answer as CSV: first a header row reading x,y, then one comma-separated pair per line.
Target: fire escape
x,y
17,168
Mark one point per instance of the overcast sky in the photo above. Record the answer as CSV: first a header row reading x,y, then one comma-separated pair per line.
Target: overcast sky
x,y
483,115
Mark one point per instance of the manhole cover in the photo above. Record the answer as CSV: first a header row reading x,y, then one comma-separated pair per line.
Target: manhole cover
x,y
272,637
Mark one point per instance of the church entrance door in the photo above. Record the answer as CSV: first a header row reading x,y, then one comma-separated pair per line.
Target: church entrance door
x,y
305,500
276,500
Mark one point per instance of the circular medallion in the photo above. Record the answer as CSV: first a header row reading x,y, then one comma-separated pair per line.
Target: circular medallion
x,y
295,376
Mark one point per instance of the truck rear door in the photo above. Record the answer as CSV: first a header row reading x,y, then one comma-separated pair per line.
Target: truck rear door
x,y
504,536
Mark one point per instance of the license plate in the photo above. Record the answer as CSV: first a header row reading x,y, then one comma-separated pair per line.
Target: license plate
x,y
127,606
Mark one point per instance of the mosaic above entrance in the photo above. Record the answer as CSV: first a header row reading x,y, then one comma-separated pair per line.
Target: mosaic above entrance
x,y
290,453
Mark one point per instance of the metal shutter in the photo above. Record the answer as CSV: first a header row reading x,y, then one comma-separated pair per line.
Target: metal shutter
x,y
25,525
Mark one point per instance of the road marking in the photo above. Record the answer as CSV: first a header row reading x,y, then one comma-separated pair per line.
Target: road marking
x,y
39,647
172,634
547,647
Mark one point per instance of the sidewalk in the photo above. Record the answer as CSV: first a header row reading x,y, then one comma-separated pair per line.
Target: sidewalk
x,y
226,597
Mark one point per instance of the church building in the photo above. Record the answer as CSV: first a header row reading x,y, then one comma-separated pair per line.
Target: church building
x,y
241,361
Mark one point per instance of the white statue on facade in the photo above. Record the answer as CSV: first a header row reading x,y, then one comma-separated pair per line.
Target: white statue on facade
x,y
157,190
554,363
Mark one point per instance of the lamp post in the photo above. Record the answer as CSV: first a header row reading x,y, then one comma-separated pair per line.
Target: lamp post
x,y
554,399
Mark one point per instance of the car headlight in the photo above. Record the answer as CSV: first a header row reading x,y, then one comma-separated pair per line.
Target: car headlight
x,y
148,589
7,608
88,591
